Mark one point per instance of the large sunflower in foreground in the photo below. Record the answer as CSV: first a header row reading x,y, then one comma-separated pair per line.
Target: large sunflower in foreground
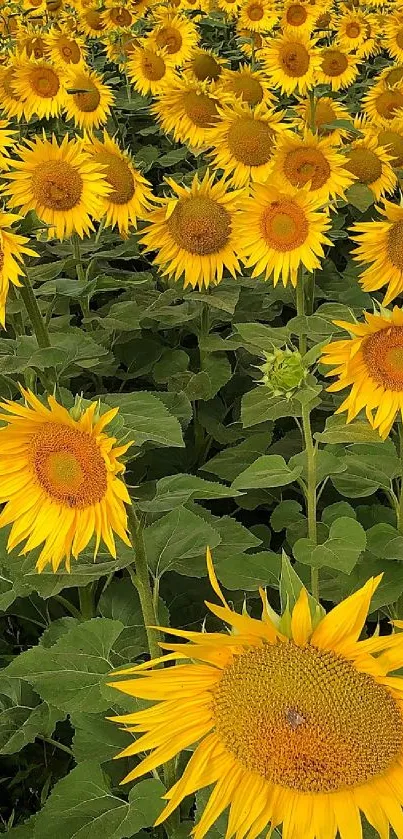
x,y
61,183
291,61
244,140
131,194
393,40
59,480
13,248
294,721
90,106
193,234
314,162
337,68
370,361
380,247
188,111
40,87
280,231
371,165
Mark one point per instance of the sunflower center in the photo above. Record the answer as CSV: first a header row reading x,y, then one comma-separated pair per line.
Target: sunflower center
x,y
251,141
120,16
255,11
247,88
118,175
383,351
44,82
353,30
153,66
306,719
200,225
69,50
388,102
36,47
284,226
200,108
94,20
394,144
88,101
57,185
303,165
399,39
334,63
206,67
294,59
395,244
323,21
364,164
69,465
324,115
296,15
395,75
170,38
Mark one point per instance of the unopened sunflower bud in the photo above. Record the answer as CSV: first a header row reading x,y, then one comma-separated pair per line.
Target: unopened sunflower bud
x,y
283,372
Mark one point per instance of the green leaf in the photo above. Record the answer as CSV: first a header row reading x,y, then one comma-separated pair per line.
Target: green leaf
x,y
290,586
368,468
97,738
385,542
267,471
258,405
335,511
231,461
69,674
120,602
337,431
82,806
178,535
286,513
176,490
146,418
260,338
360,196
341,550
22,716
326,464
248,571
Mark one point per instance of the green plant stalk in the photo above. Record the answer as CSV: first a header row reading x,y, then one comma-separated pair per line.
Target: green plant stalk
x,y
34,313
86,599
312,109
75,239
300,301
399,512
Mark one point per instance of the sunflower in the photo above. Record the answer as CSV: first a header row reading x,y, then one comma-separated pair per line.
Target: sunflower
x,y
371,165
251,86
393,37
370,361
30,42
59,480
250,42
117,16
326,111
177,35
351,30
291,62
149,69
391,137
6,142
64,48
244,140
380,247
294,721
91,107
193,232
390,75
92,22
257,15
119,48
187,110
230,7
324,22
311,161
337,68
130,195
299,17
382,102
40,86
10,102
12,251
61,183
204,65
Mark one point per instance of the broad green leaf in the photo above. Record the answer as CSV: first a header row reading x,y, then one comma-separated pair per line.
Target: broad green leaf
x,y
360,196
23,717
176,490
120,602
261,338
82,806
178,535
341,550
97,738
335,511
286,513
258,405
368,467
146,418
384,541
338,431
248,571
267,471
326,464
231,461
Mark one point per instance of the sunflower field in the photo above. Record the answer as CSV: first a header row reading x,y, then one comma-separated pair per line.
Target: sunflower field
x,y
201,419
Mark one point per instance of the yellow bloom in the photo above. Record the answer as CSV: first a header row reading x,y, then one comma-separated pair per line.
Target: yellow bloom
x,y
59,480
30,42
193,232
7,141
311,161
299,17
117,16
371,165
91,108
188,111
130,195
382,102
204,65
177,35
149,69
370,362
61,183
326,111
391,137
299,727
337,68
251,86
64,48
40,86
13,248
91,22
393,40
291,61
250,42
351,29
380,246
243,142
257,15
390,75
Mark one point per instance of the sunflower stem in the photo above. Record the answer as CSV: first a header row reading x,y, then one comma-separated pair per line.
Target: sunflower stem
x,y
399,512
311,498
34,313
300,301
75,239
312,110
86,598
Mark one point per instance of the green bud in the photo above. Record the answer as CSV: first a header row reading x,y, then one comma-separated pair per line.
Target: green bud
x,y
283,372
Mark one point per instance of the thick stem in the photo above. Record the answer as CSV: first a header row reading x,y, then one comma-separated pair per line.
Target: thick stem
x,y
312,110
300,299
75,239
34,313
86,598
311,491
400,509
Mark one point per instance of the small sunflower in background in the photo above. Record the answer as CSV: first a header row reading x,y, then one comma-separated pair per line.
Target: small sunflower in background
x,y
257,15
351,29
204,66
91,22
299,17
372,45
64,48
119,47
230,7
370,363
337,68
117,16
193,233
7,141
380,248
61,183
90,104
250,86
280,231
188,110
130,194
291,62
326,111
371,165
149,69
390,75
60,480
391,138
382,102
292,721
312,162
250,43
10,102
40,86
176,34
393,37
13,249
30,42
244,140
